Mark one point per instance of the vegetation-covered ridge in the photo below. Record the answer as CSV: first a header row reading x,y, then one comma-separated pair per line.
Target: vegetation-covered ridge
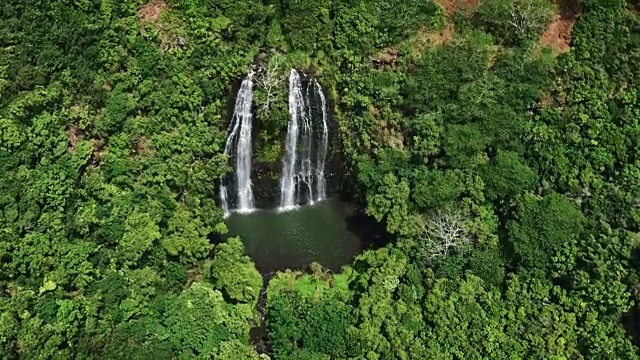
x,y
496,141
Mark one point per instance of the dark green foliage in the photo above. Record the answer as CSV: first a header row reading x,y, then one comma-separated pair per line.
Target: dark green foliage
x,y
109,152
306,24
397,19
300,325
355,32
463,144
533,151
506,174
488,265
436,189
234,273
176,275
546,232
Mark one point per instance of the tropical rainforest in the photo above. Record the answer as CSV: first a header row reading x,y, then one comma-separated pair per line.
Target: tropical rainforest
x,y
495,141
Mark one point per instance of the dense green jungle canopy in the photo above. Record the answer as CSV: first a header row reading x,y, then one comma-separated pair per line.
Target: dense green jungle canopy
x,y
497,141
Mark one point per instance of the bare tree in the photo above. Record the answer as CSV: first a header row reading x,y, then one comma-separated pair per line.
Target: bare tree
x,y
516,20
443,232
526,15
269,78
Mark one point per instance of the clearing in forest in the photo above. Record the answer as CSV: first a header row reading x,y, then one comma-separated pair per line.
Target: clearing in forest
x,y
441,37
557,36
424,37
466,6
151,11
558,33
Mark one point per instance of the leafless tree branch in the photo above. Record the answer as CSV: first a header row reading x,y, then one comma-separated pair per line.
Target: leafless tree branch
x,y
269,78
526,14
442,232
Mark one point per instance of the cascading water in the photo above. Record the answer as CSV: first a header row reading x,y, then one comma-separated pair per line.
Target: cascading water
x,y
300,170
296,110
238,145
305,176
321,191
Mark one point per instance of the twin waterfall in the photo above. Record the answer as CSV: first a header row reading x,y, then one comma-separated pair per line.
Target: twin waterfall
x,y
302,180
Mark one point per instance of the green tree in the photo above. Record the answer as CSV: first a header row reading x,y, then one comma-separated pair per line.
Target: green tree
x,y
234,273
546,233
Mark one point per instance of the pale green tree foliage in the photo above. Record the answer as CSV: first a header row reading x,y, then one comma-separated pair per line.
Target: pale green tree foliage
x,y
234,273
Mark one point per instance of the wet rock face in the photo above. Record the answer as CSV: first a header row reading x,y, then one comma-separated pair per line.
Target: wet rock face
x,y
266,175
387,58
258,334
266,178
266,186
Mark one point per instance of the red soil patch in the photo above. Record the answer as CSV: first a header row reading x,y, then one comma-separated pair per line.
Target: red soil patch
x,y
151,11
449,6
468,7
443,36
558,33
424,38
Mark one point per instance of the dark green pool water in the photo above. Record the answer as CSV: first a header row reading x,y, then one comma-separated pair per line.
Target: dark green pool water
x,y
324,232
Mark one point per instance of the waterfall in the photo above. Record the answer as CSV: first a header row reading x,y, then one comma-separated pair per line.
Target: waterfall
x,y
240,140
296,110
322,148
306,140
305,132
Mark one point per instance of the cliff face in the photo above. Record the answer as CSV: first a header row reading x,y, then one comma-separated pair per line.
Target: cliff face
x,y
269,131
